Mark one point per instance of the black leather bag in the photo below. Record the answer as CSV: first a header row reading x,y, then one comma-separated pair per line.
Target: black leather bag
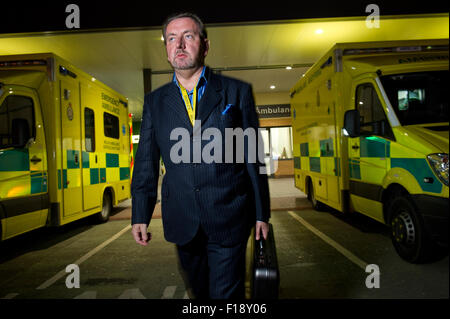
x,y
265,272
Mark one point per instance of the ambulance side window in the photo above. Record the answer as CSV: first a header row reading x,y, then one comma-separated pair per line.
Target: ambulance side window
x,y
15,110
111,125
89,129
373,119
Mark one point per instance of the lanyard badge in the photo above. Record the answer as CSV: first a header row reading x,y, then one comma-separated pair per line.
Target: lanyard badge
x,y
190,108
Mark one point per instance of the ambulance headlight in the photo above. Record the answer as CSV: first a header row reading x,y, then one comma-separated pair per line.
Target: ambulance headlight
x,y
439,162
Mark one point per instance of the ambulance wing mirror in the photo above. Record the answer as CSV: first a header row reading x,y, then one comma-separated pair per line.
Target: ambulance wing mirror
x,y
352,123
21,132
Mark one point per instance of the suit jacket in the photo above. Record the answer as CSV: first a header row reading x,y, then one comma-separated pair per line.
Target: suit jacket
x,y
225,199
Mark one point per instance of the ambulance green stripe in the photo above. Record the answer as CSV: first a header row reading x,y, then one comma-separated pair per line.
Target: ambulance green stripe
x,y
314,164
297,162
64,171
44,183
124,173
73,159
85,159
36,182
14,160
97,175
419,168
355,169
94,176
373,147
112,160
304,149
102,175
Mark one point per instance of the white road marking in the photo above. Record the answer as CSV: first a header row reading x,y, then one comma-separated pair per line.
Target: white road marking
x,y
348,254
10,296
62,273
134,293
91,294
169,292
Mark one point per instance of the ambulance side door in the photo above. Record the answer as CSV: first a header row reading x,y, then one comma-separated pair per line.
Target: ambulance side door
x,y
71,147
368,152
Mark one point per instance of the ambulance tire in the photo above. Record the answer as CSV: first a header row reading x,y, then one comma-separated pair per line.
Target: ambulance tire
x,y
312,197
408,232
103,215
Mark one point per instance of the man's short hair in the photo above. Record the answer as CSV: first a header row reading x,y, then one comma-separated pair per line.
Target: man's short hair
x,y
193,16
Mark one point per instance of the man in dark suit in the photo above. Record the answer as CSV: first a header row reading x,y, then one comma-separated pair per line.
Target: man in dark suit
x,y
211,198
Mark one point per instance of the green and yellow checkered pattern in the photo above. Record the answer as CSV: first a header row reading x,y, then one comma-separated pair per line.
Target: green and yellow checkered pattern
x,y
320,157
97,168
14,183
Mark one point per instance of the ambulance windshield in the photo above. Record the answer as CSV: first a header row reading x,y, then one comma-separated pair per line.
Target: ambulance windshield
x,y
418,98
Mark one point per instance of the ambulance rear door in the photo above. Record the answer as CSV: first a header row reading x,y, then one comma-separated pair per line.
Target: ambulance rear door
x,y
71,146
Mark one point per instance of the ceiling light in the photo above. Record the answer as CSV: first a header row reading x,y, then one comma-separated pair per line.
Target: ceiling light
x,y
272,87
319,31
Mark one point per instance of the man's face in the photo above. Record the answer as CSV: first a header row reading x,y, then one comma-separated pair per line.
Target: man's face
x,y
184,46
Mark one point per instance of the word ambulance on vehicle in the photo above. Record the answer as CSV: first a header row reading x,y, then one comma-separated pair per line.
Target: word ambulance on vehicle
x,y
371,130
64,144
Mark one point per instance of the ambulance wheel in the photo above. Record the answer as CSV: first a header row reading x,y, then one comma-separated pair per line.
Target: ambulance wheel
x,y
312,197
407,231
103,216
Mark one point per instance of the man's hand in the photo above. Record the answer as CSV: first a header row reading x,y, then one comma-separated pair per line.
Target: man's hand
x,y
140,234
261,226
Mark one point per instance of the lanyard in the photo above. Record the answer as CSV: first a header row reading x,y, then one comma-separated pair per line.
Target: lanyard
x,y
190,109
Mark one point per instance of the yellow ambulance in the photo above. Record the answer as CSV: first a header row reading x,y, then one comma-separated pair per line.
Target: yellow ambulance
x,y
64,144
371,130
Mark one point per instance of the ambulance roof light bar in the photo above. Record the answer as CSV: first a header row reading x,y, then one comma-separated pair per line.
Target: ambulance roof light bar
x,y
22,63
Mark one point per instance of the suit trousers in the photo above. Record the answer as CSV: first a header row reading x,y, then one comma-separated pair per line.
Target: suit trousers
x,y
211,270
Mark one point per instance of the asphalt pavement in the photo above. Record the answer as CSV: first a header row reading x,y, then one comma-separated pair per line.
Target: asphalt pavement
x,y
321,255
